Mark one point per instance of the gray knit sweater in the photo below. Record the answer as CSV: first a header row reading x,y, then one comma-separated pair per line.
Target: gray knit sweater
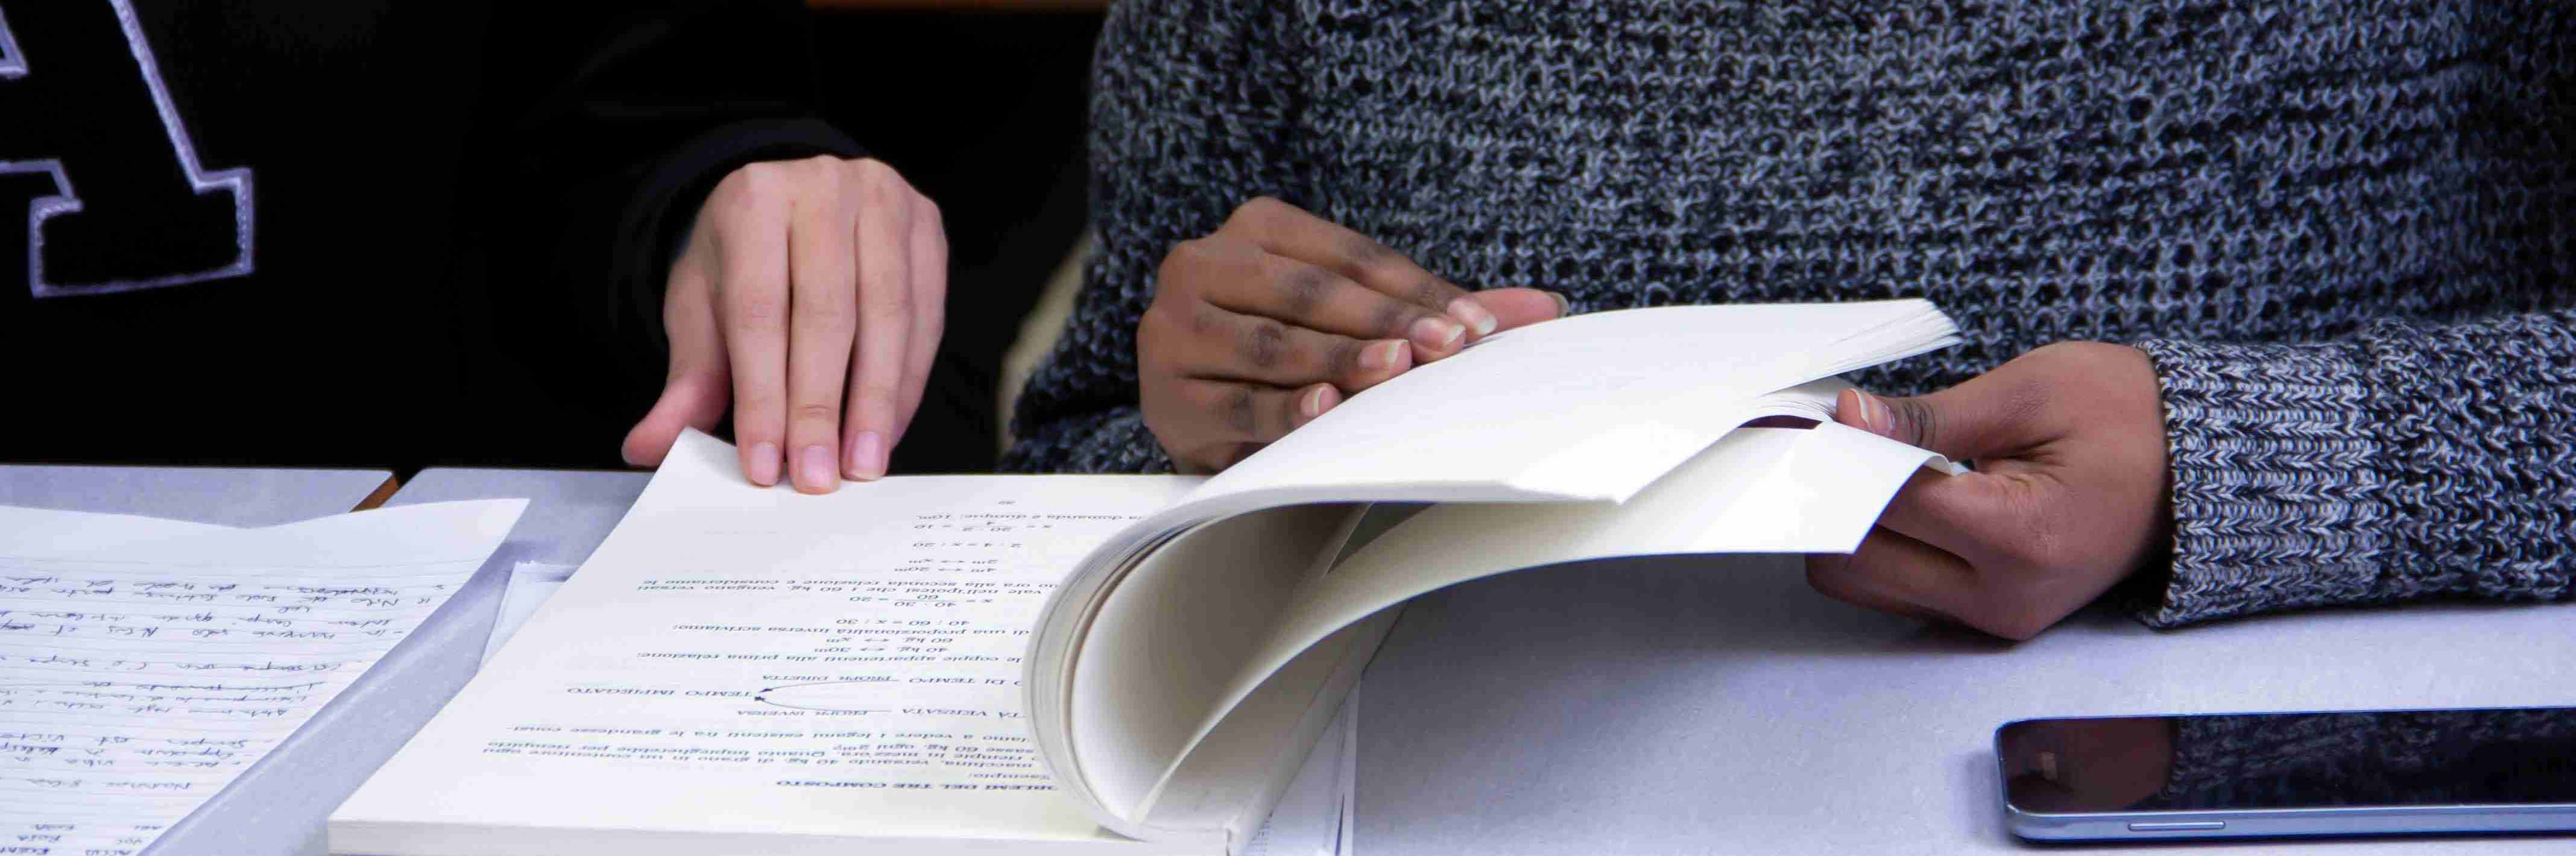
x,y
2409,758
2343,230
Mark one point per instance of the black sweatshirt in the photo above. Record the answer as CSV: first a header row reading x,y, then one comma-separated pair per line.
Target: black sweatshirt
x,y
363,232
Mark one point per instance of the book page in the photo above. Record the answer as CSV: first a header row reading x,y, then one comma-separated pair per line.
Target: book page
x,y
149,665
742,669
1590,407
1759,490
1150,675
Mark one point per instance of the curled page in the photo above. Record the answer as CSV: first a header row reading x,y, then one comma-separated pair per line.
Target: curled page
x,y
1759,490
1593,406
1575,416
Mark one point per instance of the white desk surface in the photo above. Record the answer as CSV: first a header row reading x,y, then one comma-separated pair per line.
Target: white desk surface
x,y
1683,705
1643,706
222,495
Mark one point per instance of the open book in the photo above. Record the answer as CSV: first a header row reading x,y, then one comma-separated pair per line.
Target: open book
x,y
1003,664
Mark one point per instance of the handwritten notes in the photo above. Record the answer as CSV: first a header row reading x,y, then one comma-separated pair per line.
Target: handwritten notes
x,y
140,675
737,663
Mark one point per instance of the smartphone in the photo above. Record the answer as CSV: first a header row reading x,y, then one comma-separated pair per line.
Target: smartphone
x,y
2290,774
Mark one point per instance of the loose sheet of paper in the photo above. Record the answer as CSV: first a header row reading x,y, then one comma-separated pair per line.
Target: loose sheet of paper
x,y
46,531
755,662
147,663
1314,817
1758,490
530,584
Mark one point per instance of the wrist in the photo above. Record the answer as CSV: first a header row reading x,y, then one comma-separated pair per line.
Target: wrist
x,y
2272,479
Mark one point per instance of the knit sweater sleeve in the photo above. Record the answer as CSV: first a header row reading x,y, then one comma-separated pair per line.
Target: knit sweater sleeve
x,y
1191,102
2408,461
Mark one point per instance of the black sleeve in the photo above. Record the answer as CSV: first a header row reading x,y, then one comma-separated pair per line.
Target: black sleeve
x,y
605,126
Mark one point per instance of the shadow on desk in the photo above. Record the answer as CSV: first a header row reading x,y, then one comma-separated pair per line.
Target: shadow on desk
x,y
1683,606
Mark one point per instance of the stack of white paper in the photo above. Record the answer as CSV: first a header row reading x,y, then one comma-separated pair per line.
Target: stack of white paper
x,y
144,664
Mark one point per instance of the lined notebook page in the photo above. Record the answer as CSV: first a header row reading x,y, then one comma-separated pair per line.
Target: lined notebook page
x,y
148,663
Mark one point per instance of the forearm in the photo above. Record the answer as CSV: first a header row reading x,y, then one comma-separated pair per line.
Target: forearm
x,y
2408,461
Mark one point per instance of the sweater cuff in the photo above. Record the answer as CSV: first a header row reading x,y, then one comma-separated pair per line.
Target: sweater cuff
x,y
2275,479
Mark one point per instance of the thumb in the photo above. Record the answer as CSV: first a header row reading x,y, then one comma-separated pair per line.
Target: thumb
x,y
700,388
1973,420
1521,307
692,400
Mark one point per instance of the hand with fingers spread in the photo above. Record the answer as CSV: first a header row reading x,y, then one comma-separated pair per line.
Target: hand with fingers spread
x,y
2068,496
1277,316
808,301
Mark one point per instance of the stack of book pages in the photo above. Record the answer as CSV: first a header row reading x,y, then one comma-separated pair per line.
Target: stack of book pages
x,y
1130,664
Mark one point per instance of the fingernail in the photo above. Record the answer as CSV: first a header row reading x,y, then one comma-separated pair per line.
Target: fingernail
x,y
1563,307
1437,333
1873,414
867,458
1318,400
1473,314
814,469
1380,356
764,464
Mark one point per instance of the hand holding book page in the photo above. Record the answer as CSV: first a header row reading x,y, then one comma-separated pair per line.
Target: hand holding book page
x,y
144,663
1592,407
1275,317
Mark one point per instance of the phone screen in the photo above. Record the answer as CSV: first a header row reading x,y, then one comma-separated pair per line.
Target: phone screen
x,y
2290,760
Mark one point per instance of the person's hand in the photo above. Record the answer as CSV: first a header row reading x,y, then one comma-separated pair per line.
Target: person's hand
x,y
809,300
2068,495
1277,316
